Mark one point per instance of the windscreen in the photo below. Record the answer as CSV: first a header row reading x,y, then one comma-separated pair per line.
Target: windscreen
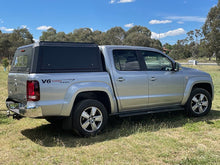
x,y
22,60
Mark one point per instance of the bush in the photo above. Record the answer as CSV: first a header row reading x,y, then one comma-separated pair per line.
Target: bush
x,y
5,62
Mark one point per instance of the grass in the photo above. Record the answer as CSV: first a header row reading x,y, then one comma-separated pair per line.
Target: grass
x,y
165,138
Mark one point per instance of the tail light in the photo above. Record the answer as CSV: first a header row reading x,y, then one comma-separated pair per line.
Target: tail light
x,y
33,90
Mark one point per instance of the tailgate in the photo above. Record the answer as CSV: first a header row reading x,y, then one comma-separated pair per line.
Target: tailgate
x,y
17,86
18,75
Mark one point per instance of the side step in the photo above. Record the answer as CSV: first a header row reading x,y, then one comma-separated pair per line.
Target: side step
x,y
149,111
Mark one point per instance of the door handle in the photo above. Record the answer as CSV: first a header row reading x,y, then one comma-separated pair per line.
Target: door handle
x,y
153,79
120,79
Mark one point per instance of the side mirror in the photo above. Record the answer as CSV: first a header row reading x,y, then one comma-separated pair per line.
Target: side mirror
x,y
176,66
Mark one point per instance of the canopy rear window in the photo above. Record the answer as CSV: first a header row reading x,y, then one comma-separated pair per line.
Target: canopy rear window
x,y
22,60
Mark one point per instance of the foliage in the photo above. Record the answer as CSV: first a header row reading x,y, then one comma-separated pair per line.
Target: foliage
x,y
200,43
192,46
5,62
136,36
167,48
10,41
137,39
115,36
211,30
140,30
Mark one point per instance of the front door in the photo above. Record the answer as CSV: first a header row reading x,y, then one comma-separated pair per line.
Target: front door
x,y
165,84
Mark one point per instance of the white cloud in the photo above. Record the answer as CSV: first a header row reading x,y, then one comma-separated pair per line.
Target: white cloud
x,y
187,18
125,1
6,29
121,1
44,27
112,1
36,40
159,21
24,27
1,21
129,25
169,33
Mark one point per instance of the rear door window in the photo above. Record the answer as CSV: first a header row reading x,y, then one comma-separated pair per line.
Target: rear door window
x,y
126,60
22,60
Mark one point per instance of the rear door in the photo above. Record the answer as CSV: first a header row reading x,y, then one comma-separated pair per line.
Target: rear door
x,y
18,74
130,80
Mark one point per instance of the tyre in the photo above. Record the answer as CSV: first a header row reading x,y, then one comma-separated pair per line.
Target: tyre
x,y
199,103
89,117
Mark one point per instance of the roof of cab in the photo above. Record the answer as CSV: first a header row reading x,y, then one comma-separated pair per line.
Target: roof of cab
x,y
111,47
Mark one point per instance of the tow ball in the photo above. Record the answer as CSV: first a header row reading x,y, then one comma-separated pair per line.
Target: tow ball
x,y
14,116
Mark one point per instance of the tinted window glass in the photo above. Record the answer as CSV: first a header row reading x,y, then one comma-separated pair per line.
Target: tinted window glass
x,y
156,61
126,60
22,60
70,58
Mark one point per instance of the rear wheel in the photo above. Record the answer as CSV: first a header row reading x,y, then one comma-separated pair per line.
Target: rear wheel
x,y
199,102
89,117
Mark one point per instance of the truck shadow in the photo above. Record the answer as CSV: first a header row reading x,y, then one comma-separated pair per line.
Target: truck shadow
x,y
49,135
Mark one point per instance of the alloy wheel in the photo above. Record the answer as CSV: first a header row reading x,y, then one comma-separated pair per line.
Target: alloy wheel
x,y
199,103
91,119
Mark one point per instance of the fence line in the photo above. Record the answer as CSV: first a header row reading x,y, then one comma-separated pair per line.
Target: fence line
x,y
187,63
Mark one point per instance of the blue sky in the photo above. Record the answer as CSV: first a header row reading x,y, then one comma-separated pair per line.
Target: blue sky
x,y
168,20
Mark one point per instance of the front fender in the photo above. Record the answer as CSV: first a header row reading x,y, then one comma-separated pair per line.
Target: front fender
x,y
191,82
77,88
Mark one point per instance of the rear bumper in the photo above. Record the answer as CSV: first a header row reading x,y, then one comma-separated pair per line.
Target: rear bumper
x,y
29,110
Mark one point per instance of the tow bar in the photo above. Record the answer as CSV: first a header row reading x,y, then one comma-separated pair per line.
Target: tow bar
x,y
14,115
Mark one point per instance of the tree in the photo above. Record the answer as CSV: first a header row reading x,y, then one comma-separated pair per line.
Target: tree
x,y
49,35
156,44
17,38
140,36
61,36
180,50
21,37
198,34
9,42
211,31
203,51
99,38
5,44
139,30
115,36
83,35
167,47
137,39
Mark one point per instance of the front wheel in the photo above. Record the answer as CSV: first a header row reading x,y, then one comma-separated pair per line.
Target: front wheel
x,y
89,117
199,103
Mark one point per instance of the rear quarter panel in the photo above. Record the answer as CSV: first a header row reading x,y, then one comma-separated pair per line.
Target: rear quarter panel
x,y
58,90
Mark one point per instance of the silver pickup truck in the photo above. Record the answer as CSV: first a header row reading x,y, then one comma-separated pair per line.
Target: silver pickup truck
x,y
82,84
